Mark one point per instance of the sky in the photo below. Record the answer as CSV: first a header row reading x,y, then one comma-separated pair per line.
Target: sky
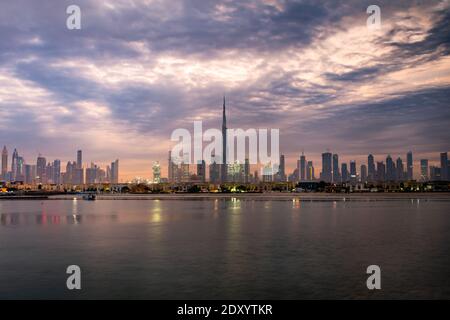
x,y
139,69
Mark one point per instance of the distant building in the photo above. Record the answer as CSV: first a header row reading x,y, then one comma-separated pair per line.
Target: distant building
x,y
310,176
115,171
326,167
201,171
444,167
4,163
247,171
14,165
302,168
30,174
424,170
363,171
409,166
336,174
400,171
390,169
381,172
79,159
344,173
57,171
371,173
41,166
214,170
156,169
435,173
353,174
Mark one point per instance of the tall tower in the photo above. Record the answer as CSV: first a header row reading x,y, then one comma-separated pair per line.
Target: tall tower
x,y
224,168
4,162
79,159
409,165
14,165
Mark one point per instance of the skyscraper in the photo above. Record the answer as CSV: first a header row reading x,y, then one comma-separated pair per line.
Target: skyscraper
x,y
115,171
57,171
363,173
370,168
444,167
4,163
156,169
302,168
30,173
247,171
400,171
381,171
281,174
41,164
336,174
79,159
214,172
344,172
201,170
390,169
326,167
409,166
14,165
310,171
353,174
224,167
424,169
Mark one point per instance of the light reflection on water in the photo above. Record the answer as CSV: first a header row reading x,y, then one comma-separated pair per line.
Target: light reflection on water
x,y
217,248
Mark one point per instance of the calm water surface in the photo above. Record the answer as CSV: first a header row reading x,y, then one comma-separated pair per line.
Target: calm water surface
x,y
224,249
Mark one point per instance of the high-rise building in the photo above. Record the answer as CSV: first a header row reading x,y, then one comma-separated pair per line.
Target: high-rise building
x,y
424,170
302,167
363,172
201,170
344,173
79,159
444,167
224,166
20,176
326,167
41,166
267,173
247,171
30,174
390,169
409,166
381,171
115,171
4,163
310,171
14,165
400,170
214,170
156,169
371,173
353,174
184,169
435,173
57,171
336,174
281,169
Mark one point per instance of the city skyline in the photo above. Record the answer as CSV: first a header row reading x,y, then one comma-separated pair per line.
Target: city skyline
x,y
312,69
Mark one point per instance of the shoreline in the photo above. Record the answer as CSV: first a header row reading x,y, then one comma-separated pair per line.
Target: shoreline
x,y
269,196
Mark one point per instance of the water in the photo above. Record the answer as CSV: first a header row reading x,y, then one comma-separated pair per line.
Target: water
x,y
224,249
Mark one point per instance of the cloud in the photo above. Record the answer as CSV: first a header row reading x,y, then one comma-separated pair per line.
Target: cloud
x,y
139,69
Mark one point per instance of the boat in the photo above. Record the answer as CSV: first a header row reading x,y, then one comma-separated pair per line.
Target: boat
x,y
90,196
